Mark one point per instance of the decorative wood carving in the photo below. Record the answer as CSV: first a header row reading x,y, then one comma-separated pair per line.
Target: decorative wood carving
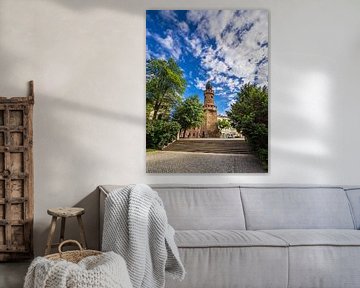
x,y
16,177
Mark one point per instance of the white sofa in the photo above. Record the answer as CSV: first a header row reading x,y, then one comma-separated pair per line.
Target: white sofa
x,y
264,236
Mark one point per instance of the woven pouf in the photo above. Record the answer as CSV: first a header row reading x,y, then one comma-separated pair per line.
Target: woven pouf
x,y
78,269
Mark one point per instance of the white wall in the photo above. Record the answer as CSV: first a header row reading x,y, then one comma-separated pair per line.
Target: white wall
x,y
87,59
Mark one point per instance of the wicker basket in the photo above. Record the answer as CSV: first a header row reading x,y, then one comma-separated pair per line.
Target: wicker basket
x,y
72,256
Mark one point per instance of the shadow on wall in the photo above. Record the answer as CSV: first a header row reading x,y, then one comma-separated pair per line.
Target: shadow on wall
x,y
134,6
70,154
91,222
73,107
138,7
72,161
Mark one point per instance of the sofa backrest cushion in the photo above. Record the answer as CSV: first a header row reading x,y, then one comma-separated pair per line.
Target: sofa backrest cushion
x,y
296,208
354,198
203,208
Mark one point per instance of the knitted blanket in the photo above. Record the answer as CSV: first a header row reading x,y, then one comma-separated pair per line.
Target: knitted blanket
x,y
103,271
136,227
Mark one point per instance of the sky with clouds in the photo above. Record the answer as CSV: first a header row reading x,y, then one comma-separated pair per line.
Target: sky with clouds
x,y
227,47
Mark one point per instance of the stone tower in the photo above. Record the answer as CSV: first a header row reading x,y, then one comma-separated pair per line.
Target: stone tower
x,y
210,129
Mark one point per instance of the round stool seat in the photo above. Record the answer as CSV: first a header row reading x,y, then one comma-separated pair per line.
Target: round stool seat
x,y
66,211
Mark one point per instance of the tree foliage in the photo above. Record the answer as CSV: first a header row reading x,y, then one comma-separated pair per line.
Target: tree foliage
x,y
189,113
223,124
160,133
165,84
249,115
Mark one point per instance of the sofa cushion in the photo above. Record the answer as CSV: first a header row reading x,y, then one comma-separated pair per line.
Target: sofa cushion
x,y
226,238
220,267
317,237
198,206
296,208
191,208
322,258
324,266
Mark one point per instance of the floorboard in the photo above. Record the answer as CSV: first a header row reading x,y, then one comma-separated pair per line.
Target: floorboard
x,y
12,274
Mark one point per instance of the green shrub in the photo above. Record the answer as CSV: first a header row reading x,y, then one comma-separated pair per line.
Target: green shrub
x,y
160,133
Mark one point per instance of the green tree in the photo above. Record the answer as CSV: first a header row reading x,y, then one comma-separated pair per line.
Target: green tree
x,y
165,84
189,113
223,124
160,133
249,115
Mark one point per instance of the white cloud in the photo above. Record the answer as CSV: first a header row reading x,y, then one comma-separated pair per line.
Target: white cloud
x,y
200,84
160,55
169,44
195,45
194,16
233,84
211,61
238,49
183,27
220,79
166,42
232,100
244,54
168,15
262,74
211,23
147,53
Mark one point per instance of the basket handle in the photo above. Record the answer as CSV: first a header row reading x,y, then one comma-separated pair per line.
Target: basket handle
x,y
69,241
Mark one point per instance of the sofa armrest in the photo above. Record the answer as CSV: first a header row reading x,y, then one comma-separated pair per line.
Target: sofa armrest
x,y
103,195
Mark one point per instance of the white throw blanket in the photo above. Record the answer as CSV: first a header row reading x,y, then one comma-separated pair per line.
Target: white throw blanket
x,y
136,227
103,271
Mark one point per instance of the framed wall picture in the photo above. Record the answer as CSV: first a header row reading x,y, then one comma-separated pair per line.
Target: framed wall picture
x,y
207,91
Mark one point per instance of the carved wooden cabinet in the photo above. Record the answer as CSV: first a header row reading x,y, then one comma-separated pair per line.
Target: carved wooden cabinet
x,y
16,177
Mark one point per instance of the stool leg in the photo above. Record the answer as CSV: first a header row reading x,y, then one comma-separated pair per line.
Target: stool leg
x,y
82,232
51,235
62,231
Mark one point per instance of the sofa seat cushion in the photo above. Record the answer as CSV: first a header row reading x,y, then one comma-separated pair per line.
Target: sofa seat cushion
x,y
317,237
225,238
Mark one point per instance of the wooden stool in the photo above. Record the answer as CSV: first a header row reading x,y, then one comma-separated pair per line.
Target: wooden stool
x,y
64,213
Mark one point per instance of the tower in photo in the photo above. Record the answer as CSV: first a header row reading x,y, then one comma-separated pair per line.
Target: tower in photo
x,y
210,128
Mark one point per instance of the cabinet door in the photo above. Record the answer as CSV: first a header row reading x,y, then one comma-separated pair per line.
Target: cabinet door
x,y
16,212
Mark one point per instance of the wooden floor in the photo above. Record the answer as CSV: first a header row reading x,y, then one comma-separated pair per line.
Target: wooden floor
x,y
12,274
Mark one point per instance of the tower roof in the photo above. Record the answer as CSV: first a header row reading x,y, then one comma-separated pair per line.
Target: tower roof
x,y
208,85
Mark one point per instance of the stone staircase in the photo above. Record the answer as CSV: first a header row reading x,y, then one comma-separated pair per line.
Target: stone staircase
x,y
224,146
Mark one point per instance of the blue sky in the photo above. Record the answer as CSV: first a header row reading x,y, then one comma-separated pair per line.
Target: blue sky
x,y
227,47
